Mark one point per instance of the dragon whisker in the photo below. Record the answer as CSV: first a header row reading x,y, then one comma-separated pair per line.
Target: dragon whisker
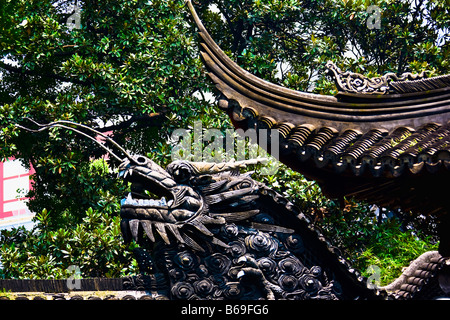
x,y
62,124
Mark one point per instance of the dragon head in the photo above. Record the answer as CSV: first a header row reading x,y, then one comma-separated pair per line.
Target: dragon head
x,y
189,197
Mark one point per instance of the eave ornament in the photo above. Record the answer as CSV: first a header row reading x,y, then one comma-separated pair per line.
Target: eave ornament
x,y
357,83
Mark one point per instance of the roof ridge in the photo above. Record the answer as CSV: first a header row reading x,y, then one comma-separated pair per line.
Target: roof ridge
x,y
407,86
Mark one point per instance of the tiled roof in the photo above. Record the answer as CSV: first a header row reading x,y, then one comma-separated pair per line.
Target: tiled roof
x,y
389,149
407,167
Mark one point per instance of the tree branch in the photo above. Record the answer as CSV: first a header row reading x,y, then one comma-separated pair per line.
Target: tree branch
x,y
144,121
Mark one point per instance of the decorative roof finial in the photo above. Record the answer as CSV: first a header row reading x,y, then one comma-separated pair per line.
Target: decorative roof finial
x,y
358,83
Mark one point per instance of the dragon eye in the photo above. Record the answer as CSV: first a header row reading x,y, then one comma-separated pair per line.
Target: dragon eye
x,y
245,184
141,160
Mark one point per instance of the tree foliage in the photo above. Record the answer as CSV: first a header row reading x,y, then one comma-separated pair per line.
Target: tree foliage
x,y
95,246
132,68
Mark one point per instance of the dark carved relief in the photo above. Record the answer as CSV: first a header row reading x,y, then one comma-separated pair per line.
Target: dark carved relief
x,y
387,84
213,237
255,265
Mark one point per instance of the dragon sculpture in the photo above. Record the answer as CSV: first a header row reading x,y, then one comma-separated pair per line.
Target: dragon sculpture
x,y
219,234
214,233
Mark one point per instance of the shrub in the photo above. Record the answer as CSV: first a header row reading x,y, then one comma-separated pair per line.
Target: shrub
x,y
95,246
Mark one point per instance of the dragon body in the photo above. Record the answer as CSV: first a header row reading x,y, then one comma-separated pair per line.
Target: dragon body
x,y
218,234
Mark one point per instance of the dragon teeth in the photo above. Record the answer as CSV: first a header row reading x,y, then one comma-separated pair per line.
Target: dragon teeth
x,y
130,230
128,200
163,229
147,226
125,228
134,227
145,202
160,228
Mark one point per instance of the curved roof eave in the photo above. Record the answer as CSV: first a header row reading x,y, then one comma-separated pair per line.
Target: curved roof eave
x,y
345,110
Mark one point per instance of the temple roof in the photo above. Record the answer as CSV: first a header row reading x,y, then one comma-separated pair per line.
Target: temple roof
x,y
384,140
